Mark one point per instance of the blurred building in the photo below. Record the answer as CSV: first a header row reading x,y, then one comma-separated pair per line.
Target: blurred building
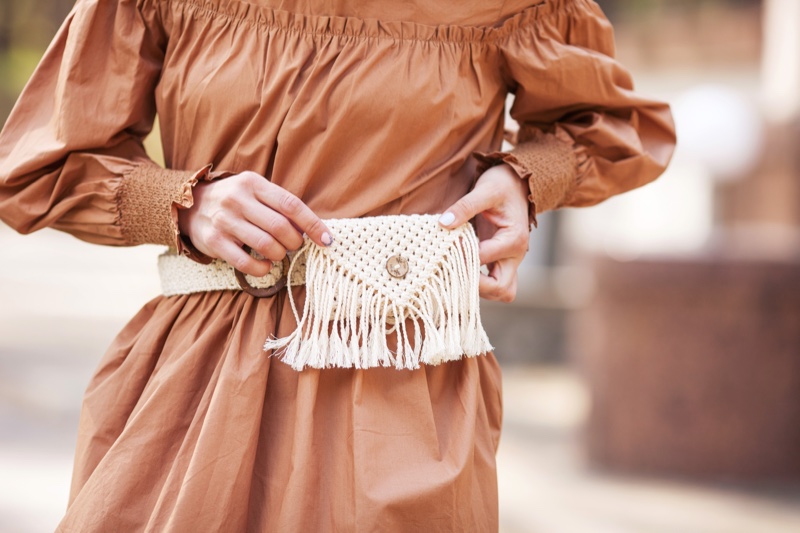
x,y
690,338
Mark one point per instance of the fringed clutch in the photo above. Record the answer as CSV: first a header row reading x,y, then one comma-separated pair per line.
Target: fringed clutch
x,y
393,291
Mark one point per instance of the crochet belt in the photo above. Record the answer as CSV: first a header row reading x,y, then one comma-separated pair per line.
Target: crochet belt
x,y
400,275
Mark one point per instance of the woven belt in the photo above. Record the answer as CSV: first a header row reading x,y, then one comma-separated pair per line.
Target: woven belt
x,y
181,275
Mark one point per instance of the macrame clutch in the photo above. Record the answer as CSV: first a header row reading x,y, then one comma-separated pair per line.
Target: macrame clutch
x,y
396,291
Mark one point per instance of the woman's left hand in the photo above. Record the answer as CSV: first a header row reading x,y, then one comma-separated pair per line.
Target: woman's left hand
x,y
499,201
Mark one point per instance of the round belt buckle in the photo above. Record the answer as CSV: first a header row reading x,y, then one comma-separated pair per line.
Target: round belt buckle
x,y
262,292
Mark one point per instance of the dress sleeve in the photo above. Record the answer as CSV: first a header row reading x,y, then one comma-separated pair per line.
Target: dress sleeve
x,y
71,152
585,135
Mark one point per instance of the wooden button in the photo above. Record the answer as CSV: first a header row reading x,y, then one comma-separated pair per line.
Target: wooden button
x,y
397,266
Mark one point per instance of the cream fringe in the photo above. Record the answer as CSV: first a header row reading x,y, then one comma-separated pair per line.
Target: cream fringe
x,y
352,303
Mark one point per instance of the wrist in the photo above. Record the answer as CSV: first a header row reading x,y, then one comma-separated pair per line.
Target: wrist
x,y
185,213
185,225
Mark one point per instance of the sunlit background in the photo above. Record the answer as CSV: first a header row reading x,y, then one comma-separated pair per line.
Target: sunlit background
x,y
651,360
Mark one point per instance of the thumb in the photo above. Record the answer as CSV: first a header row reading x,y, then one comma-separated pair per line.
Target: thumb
x,y
467,207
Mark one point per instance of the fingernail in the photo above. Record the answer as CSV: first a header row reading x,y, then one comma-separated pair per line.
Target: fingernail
x,y
447,219
327,239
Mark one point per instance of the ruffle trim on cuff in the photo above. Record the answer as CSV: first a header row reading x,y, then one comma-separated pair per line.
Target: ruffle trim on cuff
x,y
181,242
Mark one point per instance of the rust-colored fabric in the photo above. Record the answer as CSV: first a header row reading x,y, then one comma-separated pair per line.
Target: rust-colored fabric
x,y
188,426
359,108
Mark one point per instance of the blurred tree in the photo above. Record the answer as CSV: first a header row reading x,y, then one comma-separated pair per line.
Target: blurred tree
x,y
632,8
26,28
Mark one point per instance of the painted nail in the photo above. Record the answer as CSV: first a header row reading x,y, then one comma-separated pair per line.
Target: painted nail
x,y
447,219
327,240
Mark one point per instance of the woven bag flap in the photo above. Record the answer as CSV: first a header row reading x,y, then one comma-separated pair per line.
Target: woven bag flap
x,y
415,245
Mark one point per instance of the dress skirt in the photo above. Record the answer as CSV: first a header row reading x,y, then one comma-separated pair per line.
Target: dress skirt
x,y
188,425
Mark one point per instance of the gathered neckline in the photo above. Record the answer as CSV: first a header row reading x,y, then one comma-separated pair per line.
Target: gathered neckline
x,y
269,18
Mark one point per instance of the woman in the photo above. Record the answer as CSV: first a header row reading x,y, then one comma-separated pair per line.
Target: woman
x,y
348,109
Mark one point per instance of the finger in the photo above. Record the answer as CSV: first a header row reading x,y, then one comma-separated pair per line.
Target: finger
x,y
501,283
273,223
295,210
240,260
260,241
465,208
504,244
493,250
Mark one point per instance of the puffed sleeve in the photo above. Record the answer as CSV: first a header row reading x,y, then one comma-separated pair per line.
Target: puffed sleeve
x,y
585,135
71,153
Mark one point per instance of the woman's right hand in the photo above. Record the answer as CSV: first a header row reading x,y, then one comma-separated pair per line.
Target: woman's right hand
x,y
248,209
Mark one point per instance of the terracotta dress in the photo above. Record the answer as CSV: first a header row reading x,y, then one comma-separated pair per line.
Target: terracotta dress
x,y
359,108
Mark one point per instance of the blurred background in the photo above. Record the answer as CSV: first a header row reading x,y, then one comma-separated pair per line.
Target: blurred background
x,y
651,360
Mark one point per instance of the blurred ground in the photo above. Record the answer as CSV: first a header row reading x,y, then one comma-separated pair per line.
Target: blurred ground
x,y
56,322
